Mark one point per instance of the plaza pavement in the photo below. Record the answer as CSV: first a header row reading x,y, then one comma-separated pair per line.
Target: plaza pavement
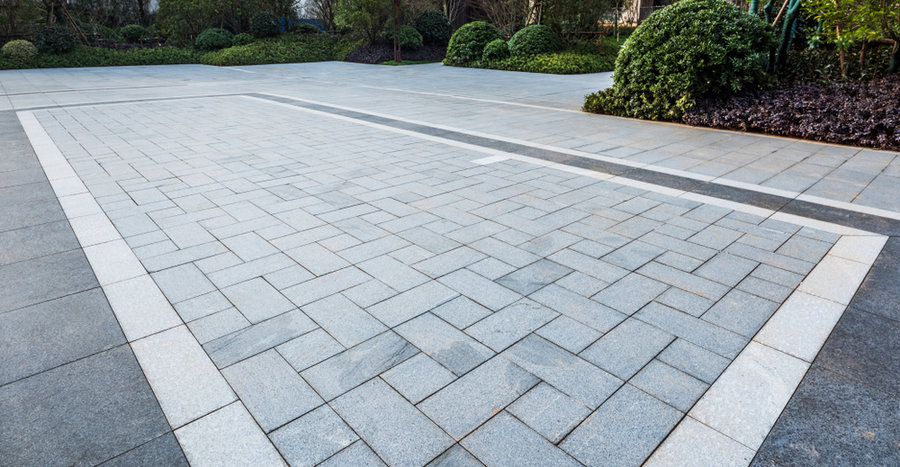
x,y
356,264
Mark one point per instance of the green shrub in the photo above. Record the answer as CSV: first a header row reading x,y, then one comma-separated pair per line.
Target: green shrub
x,y
285,48
434,27
214,39
496,49
559,63
468,42
304,28
265,24
410,39
83,56
242,39
685,51
133,33
534,39
54,39
19,50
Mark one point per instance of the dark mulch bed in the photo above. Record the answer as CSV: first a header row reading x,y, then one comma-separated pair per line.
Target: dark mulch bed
x,y
378,53
858,113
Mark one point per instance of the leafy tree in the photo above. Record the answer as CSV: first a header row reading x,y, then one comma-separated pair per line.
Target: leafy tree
x,y
365,17
847,22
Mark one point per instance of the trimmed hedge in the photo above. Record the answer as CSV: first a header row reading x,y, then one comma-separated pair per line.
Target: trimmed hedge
x,y
214,39
534,39
95,56
559,63
281,49
468,42
686,51
496,49
434,27
19,51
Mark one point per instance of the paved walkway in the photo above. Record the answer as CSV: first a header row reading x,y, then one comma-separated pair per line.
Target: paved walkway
x,y
350,264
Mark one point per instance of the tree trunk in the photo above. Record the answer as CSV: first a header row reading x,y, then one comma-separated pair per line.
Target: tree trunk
x,y
754,7
397,55
894,67
862,54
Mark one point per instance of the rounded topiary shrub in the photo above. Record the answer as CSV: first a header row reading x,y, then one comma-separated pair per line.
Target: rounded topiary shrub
x,y
54,39
434,27
410,39
496,49
214,39
133,33
242,39
304,28
534,39
265,25
19,50
685,51
468,42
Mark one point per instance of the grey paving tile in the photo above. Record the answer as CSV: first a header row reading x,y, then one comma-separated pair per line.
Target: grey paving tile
x,y
549,412
202,305
313,437
86,412
479,289
348,369
491,268
467,402
249,246
411,303
42,336
36,241
504,252
45,278
694,330
393,427
444,343
14,216
534,276
580,309
694,360
741,312
323,286
670,385
418,377
503,328
271,390
570,374
163,450
623,431
582,284
450,261
504,440
257,338
779,261
317,259
257,300
627,348
631,293
805,248
182,282
218,324
461,312
343,320
633,255
395,274
715,237
308,349
687,302
456,456
357,454
765,289
569,334
593,267
726,269
227,436
682,280
429,240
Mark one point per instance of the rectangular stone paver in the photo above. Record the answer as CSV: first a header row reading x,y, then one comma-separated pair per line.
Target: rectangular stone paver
x,y
313,437
444,343
506,441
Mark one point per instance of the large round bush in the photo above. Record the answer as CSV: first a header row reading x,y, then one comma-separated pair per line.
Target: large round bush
x,y
304,28
19,50
410,39
134,33
685,51
496,49
241,39
434,27
54,39
468,42
534,39
214,39
265,24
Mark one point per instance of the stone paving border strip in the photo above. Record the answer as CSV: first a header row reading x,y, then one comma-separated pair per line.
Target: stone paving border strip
x,y
768,358
193,394
745,193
